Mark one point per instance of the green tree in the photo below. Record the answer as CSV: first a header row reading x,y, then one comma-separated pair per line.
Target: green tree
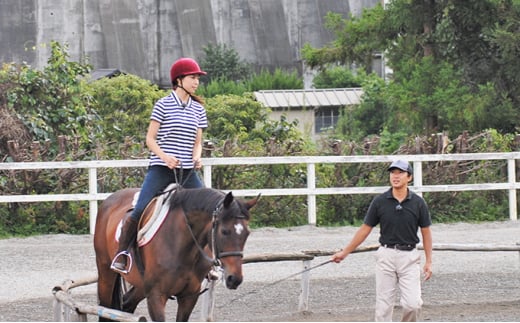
x,y
447,57
234,117
221,86
222,62
277,80
124,103
338,77
357,39
370,117
51,103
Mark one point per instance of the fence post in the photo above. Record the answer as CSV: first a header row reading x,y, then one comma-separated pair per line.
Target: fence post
x,y
58,311
208,302
511,176
518,244
207,175
304,295
311,198
93,204
417,176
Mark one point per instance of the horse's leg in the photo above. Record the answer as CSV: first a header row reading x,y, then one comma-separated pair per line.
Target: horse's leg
x,y
132,298
185,307
107,281
156,304
106,284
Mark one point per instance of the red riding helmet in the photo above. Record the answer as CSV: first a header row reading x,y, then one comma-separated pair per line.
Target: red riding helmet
x,y
185,66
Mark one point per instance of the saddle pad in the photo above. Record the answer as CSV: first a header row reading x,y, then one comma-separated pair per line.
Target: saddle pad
x,y
151,223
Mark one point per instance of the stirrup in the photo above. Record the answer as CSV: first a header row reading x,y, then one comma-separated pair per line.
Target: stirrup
x,y
125,271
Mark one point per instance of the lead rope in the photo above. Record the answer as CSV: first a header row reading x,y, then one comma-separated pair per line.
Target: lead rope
x,y
281,280
216,261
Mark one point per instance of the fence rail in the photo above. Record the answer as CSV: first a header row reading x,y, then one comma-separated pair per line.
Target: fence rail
x,y
66,309
93,196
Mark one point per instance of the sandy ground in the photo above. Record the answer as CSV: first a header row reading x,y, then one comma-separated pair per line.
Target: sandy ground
x,y
466,286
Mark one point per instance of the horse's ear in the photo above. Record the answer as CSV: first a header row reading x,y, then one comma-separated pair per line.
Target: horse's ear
x,y
228,199
251,203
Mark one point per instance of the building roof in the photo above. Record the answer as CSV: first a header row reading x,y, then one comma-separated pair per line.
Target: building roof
x,y
309,98
104,72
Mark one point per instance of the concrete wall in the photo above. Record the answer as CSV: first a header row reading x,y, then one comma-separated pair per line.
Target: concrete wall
x,y
144,37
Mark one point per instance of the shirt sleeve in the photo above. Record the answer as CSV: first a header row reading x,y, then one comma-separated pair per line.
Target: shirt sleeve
x,y
203,120
157,112
372,217
424,215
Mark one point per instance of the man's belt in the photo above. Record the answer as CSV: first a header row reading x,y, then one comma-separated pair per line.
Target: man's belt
x,y
404,247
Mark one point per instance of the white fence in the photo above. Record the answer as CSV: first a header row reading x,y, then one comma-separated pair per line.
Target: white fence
x,y
93,196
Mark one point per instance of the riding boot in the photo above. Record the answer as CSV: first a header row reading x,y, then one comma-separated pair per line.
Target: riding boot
x,y
128,235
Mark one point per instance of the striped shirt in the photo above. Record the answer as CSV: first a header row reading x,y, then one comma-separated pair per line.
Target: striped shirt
x,y
178,130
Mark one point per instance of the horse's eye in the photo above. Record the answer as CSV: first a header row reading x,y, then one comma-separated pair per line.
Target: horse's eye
x,y
226,232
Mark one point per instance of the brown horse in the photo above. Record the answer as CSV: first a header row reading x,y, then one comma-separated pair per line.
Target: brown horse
x,y
177,260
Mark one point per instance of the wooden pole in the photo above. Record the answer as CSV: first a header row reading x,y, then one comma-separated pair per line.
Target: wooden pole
x,y
208,301
305,287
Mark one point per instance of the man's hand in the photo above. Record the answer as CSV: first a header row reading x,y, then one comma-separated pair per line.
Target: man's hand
x,y
339,256
427,271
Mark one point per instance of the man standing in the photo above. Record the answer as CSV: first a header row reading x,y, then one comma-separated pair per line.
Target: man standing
x,y
399,213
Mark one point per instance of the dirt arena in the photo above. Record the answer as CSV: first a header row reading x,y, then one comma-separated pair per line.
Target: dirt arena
x,y
466,286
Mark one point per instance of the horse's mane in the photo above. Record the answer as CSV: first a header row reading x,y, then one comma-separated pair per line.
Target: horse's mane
x,y
202,199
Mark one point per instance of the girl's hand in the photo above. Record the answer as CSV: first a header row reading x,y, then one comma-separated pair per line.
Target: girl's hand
x,y
171,161
197,163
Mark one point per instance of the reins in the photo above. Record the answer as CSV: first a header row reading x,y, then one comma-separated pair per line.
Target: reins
x,y
215,260
181,174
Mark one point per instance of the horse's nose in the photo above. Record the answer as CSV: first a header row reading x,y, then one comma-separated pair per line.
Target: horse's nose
x,y
232,281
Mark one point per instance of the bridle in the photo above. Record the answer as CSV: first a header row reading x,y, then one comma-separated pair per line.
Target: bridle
x,y
214,249
217,254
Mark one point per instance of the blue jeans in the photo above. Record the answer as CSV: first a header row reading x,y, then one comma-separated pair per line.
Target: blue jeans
x,y
157,178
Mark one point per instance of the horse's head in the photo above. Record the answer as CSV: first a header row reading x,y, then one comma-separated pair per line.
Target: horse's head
x,y
230,231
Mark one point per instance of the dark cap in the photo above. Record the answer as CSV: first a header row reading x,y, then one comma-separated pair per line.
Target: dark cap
x,y
402,165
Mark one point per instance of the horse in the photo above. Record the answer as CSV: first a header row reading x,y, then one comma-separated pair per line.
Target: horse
x,y
204,227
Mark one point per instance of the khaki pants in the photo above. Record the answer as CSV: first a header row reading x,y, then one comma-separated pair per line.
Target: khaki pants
x,y
398,269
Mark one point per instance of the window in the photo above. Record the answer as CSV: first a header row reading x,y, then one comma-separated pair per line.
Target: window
x,y
325,118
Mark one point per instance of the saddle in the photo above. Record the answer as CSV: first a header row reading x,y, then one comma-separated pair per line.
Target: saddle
x,y
150,222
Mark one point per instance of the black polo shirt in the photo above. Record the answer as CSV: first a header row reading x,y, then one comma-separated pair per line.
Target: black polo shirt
x,y
398,222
